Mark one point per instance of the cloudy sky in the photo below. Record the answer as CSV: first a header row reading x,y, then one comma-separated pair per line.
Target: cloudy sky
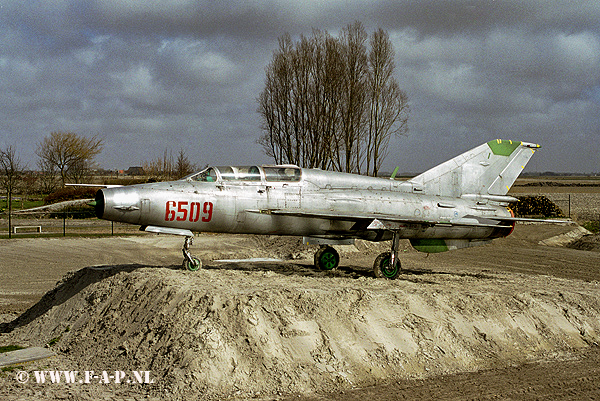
x,y
153,75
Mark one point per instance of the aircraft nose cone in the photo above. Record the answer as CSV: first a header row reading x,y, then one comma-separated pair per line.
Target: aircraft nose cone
x,y
99,207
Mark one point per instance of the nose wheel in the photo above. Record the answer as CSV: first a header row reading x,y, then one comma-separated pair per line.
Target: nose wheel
x,y
190,262
385,268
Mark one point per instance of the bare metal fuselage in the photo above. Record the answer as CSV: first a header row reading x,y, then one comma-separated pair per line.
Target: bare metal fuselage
x,y
457,204
250,207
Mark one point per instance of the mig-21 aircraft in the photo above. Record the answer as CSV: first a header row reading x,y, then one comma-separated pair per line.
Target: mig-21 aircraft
x,y
457,204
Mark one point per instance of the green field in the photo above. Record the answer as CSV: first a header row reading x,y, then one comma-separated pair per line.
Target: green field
x,y
18,205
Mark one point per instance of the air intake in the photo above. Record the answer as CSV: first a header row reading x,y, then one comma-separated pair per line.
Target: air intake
x,y
99,204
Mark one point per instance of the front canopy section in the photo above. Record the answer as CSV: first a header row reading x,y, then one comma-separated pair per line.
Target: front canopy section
x,y
280,173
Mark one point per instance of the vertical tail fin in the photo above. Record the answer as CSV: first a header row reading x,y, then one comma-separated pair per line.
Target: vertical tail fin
x,y
489,169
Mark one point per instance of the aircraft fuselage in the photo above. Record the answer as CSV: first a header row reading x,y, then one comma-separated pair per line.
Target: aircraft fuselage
x,y
306,198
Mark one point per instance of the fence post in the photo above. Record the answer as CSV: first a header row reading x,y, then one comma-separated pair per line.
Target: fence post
x,y
569,205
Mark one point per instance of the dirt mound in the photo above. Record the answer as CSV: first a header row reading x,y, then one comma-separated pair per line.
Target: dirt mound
x,y
248,329
566,238
587,243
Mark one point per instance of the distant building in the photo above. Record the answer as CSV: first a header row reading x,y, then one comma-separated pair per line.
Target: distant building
x,y
135,171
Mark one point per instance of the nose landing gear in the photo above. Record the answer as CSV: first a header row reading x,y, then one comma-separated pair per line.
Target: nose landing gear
x,y
387,265
190,262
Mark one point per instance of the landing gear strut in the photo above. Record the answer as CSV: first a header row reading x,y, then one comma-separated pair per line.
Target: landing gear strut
x,y
387,265
190,262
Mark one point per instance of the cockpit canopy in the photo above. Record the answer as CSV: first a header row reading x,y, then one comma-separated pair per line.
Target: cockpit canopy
x,y
282,173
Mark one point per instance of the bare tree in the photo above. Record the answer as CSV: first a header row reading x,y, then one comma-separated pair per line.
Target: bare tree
x,y
183,166
354,94
283,102
300,101
27,185
387,104
331,104
164,168
70,154
48,182
11,170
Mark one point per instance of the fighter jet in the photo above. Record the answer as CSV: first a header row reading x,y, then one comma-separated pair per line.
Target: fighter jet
x,y
460,203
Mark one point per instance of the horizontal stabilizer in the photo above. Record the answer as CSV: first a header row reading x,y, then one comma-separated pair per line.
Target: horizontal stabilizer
x,y
528,220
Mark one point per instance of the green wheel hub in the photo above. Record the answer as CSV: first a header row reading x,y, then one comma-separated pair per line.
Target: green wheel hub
x,y
327,258
193,266
383,269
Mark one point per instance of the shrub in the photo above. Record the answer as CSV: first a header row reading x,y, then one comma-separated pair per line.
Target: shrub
x,y
83,212
535,206
70,193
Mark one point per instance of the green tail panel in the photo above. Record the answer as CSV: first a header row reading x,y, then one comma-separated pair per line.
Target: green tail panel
x,y
502,147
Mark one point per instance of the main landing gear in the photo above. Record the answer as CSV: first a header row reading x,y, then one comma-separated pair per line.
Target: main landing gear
x,y
190,262
387,265
327,258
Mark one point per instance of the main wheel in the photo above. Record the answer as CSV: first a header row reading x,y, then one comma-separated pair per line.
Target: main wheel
x,y
193,266
382,267
327,258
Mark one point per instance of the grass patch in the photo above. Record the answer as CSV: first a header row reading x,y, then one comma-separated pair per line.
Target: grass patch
x,y
8,348
54,341
593,226
16,205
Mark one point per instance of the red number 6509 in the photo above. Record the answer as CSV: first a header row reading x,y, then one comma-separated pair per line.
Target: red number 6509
x,y
192,211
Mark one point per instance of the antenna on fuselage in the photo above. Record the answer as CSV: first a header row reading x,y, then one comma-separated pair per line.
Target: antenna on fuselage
x,y
393,176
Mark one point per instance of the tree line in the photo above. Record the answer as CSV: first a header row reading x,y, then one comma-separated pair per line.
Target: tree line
x,y
69,157
332,102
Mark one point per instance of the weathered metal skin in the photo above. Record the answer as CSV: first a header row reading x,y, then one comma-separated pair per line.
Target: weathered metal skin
x,y
241,207
457,204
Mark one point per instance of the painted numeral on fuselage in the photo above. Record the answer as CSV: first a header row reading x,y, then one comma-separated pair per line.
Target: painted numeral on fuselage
x,y
192,211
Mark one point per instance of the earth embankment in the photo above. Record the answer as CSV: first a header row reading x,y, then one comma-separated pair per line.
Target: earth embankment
x,y
238,329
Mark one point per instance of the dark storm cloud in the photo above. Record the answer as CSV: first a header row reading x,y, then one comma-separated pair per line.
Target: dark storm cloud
x,y
451,17
150,75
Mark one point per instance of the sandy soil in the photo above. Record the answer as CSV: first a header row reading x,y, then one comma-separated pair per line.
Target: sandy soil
x,y
512,320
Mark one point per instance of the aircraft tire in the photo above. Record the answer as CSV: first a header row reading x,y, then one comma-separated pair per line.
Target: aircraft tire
x,y
197,265
382,269
327,258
